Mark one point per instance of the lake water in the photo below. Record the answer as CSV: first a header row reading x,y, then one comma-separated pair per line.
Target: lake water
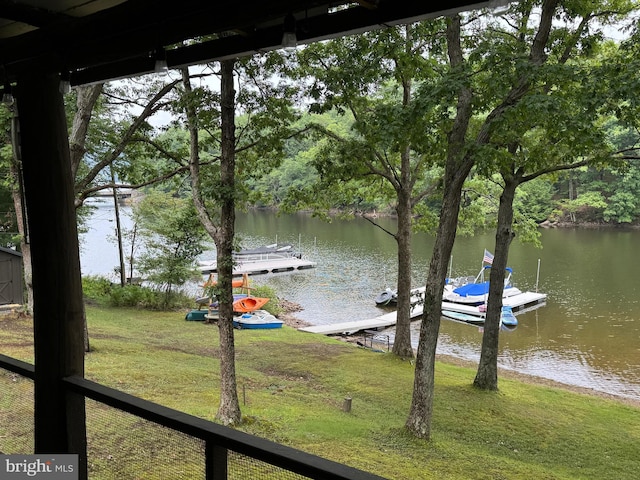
x,y
587,334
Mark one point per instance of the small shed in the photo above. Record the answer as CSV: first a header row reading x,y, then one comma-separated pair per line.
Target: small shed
x,y
10,277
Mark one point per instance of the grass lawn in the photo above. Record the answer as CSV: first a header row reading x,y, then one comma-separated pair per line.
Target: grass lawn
x,y
292,387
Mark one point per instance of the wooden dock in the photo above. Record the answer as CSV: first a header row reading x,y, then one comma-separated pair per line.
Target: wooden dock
x,y
349,328
262,267
516,302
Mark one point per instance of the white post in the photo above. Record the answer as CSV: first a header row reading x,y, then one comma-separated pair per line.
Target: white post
x,y
538,276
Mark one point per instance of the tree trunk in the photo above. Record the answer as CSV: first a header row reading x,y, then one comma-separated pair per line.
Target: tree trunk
x,y
420,413
402,343
222,234
17,193
457,167
59,415
487,375
86,98
116,209
229,410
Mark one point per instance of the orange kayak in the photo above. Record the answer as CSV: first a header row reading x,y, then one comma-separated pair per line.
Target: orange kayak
x,y
242,283
249,304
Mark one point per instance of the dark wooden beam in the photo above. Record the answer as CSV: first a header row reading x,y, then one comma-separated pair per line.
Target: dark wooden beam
x,y
114,39
29,15
58,312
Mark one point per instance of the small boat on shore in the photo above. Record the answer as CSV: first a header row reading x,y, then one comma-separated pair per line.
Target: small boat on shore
x,y
259,319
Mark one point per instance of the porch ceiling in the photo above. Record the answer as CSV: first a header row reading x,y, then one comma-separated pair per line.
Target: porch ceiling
x,y
98,40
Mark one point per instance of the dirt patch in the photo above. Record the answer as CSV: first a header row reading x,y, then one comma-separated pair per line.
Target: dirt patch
x,y
16,320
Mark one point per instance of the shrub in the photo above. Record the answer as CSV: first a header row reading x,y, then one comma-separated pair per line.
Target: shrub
x,y
96,289
101,291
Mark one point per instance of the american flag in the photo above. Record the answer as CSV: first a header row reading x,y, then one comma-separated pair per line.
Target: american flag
x,y
488,257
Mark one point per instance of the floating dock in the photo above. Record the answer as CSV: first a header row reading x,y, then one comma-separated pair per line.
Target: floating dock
x,y
262,267
349,328
519,303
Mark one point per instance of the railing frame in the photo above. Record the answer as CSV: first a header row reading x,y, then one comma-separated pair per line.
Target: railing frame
x,y
218,438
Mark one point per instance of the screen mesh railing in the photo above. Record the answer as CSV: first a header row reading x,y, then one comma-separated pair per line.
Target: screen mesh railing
x,y
16,413
122,446
131,438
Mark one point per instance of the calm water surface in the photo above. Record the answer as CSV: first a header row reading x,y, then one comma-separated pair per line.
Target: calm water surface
x,y
587,334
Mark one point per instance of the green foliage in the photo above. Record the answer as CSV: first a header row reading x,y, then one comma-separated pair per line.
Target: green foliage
x,y
385,140
587,207
101,291
534,200
173,239
96,289
9,237
265,291
138,296
621,208
577,109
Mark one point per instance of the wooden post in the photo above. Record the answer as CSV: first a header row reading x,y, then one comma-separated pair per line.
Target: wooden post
x,y
216,461
58,308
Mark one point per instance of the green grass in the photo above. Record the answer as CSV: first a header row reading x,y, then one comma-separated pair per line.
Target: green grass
x,y
292,386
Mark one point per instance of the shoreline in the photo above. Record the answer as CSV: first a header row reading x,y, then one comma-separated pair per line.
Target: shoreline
x,y
289,318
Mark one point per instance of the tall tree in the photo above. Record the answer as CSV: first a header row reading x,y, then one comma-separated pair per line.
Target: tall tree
x,y
372,77
458,165
569,132
495,99
220,227
217,153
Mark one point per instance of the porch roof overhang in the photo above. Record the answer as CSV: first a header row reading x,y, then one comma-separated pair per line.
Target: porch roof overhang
x,y
93,41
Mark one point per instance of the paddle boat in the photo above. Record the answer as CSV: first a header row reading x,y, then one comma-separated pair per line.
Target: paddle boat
x,y
258,319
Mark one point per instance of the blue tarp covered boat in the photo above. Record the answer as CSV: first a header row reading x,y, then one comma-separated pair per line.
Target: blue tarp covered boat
x,y
476,292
